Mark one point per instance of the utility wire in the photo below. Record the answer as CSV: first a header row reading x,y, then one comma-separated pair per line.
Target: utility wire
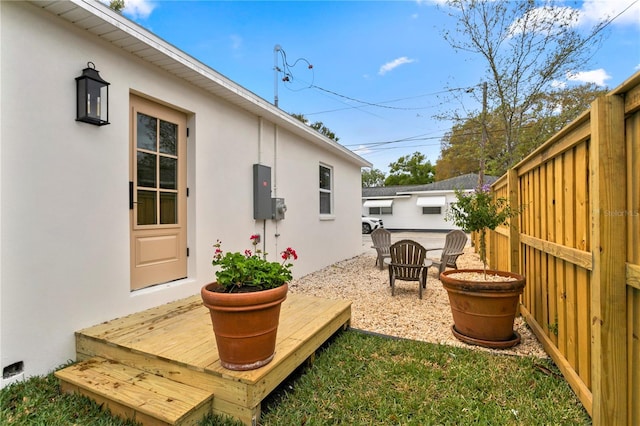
x,y
381,104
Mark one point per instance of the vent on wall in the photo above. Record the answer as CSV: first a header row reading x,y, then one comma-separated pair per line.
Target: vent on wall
x,y
12,373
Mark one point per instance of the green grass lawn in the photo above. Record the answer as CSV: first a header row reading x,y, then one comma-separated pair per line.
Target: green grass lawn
x,y
363,379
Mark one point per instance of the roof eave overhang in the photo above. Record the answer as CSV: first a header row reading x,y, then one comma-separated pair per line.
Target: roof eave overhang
x,y
109,25
384,197
433,192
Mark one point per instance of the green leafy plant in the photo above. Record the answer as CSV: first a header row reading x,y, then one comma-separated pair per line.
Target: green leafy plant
x,y
251,269
553,327
477,211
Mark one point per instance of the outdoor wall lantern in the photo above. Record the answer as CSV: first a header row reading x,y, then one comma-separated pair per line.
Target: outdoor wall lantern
x,y
93,97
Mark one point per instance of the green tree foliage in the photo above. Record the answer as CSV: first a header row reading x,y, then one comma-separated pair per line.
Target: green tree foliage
x,y
553,110
550,112
410,170
116,5
460,150
525,46
317,126
372,178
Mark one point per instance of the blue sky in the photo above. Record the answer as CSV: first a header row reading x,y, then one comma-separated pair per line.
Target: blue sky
x,y
381,69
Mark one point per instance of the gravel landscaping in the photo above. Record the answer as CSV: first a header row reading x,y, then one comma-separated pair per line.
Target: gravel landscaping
x,y
403,315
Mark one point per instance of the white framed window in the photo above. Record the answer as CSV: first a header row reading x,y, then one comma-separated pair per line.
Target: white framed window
x,y
431,204
326,189
432,210
380,210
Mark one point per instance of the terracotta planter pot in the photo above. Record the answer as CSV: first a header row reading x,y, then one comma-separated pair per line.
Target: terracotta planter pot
x,y
484,312
245,325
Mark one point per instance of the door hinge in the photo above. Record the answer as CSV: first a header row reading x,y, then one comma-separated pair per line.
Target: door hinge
x,y
187,251
187,191
187,132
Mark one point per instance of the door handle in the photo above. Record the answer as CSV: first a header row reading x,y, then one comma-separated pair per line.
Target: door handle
x,y
130,195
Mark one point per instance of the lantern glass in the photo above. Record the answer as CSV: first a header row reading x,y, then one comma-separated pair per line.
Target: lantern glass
x,y
93,97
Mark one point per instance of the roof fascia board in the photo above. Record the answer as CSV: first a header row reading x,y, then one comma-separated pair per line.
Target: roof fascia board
x,y
434,192
385,197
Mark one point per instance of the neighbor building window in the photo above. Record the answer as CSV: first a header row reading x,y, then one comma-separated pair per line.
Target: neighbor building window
x,y
326,188
432,210
380,210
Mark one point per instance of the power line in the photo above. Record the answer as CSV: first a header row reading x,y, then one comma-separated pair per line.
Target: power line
x,y
374,150
423,137
382,104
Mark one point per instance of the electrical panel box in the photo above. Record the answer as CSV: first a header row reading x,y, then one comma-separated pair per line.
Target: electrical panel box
x,y
262,205
279,208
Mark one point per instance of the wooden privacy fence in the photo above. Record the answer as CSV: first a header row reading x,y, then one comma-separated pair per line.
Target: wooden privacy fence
x,y
576,243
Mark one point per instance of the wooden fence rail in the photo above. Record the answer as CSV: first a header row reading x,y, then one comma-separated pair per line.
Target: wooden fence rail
x,y
576,242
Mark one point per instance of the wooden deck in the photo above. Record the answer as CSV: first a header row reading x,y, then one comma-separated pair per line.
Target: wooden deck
x,y
161,366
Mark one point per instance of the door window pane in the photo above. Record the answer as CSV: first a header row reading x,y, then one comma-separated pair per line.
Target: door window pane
x,y
146,170
168,207
168,138
156,171
168,173
146,207
147,132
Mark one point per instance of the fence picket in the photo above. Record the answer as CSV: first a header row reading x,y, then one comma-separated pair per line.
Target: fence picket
x,y
576,242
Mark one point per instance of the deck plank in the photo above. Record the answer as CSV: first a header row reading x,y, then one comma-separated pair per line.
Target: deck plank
x,y
140,321
176,341
163,399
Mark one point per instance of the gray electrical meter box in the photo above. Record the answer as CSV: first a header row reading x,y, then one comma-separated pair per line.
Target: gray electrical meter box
x,y
262,207
279,208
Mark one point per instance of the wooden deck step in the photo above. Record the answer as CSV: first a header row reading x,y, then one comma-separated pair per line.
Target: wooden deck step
x,y
132,393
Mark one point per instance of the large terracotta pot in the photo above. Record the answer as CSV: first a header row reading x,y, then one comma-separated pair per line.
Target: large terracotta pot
x,y
484,311
245,325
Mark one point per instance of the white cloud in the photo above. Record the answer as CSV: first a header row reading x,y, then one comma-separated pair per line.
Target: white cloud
x,y
138,9
597,77
592,12
430,2
595,10
394,64
361,150
543,17
557,84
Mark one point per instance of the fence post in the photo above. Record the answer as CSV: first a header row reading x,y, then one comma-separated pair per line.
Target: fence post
x,y
608,244
514,222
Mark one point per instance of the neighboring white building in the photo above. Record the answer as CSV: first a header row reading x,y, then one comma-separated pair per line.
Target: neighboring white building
x,y
98,222
417,207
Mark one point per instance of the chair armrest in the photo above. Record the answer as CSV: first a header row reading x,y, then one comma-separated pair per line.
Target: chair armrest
x,y
455,254
434,249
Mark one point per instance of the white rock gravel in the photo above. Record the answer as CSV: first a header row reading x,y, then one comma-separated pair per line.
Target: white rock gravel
x,y
404,315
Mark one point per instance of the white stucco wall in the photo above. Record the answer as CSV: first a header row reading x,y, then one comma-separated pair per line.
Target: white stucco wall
x,y
407,215
64,219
